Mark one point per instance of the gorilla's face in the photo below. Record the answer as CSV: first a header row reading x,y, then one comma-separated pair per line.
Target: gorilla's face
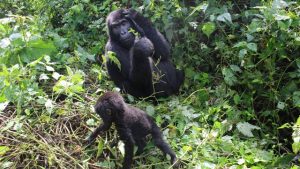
x,y
120,31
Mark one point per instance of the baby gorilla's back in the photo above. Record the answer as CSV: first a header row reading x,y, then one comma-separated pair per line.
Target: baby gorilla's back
x,y
132,124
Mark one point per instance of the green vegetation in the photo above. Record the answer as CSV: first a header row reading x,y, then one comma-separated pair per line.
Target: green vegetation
x,y
239,106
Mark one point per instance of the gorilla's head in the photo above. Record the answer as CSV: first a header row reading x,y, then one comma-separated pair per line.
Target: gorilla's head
x,y
118,29
109,105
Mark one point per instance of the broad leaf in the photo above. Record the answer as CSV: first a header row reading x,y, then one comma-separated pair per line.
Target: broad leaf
x,y
246,128
208,28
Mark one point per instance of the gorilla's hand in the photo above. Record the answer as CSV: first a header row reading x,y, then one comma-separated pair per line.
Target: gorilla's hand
x,y
127,15
143,47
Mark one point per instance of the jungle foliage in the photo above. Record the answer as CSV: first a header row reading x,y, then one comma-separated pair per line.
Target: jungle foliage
x,y
239,106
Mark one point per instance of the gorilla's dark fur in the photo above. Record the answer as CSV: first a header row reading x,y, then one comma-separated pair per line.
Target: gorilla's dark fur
x,y
146,67
132,124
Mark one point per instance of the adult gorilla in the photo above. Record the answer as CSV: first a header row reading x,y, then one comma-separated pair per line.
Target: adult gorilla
x,y
146,68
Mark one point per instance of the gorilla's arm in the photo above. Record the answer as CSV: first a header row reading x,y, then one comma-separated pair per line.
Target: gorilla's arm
x,y
141,72
135,26
97,131
139,81
161,46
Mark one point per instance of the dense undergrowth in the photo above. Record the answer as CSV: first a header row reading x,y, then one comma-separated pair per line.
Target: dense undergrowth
x,y
238,107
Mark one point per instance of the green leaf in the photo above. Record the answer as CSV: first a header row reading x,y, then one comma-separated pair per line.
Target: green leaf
x,y
281,105
296,98
113,57
246,128
296,147
240,44
225,17
91,122
242,53
100,148
252,46
236,99
6,164
235,68
83,54
3,106
229,76
208,28
3,150
121,147
36,49
263,156
150,110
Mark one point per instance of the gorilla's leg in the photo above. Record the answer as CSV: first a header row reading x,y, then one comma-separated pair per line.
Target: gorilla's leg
x,y
141,145
161,144
128,155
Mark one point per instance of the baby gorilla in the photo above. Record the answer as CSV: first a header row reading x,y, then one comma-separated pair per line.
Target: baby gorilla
x,y
132,124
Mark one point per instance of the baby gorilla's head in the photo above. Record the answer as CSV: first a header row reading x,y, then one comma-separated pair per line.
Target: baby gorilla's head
x,y
109,104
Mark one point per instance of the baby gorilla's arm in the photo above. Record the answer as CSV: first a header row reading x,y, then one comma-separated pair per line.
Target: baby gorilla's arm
x,y
97,131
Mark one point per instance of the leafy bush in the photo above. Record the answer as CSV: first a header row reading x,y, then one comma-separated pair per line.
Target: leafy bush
x,y
238,107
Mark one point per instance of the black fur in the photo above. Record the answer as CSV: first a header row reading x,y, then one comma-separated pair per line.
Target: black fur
x,y
146,67
132,124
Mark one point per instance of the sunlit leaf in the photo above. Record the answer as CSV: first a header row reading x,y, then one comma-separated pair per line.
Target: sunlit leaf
x,y
281,105
3,106
43,76
100,147
150,110
252,46
91,122
3,150
225,17
296,98
113,57
229,76
208,28
4,43
246,128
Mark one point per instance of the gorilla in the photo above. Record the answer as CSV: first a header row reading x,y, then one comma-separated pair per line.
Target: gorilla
x,y
145,66
132,124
